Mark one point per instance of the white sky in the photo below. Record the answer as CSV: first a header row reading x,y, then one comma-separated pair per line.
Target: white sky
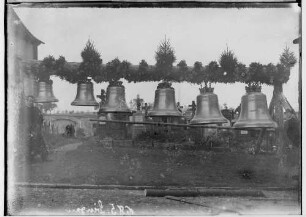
x,y
197,34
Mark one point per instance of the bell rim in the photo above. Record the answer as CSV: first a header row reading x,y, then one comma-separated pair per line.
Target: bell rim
x,y
75,103
115,111
164,114
45,100
106,112
216,121
253,126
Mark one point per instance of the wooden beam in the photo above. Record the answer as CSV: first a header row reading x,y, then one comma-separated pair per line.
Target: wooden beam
x,y
175,125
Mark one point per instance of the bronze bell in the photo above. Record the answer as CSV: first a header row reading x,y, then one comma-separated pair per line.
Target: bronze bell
x,y
254,112
85,95
45,93
208,111
115,100
164,103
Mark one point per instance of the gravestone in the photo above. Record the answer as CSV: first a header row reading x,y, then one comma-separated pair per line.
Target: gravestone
x,y
138,128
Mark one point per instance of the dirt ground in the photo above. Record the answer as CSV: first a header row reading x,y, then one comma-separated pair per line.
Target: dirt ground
x,y
110,163
42,201
94,162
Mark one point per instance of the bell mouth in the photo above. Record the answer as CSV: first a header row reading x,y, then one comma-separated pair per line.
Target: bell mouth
x,y
76,103
43,100
113,110
210,121
255,125
165,113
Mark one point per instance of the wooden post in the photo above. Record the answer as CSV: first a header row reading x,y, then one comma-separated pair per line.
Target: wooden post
x,y
279,118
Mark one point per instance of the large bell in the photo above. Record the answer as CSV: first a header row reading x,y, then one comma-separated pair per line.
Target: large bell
x,y
85,95
115,100
254,112
45,93
164,103
208,111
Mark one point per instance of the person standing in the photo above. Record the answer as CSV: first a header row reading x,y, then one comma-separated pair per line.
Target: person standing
x,y
33,130
292,128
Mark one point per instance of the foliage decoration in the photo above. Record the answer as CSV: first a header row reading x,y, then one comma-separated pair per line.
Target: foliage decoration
x,y
66,71
212,70
287,58
240,72
45,69
165,57
115,70
255,77
140,74
182,65
164,84
112,70
197,73
91,64
227,70
257,74
143,70
271,70
183,73
125,68
228,63
115,84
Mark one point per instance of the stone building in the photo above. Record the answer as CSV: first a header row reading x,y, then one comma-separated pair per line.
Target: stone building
x,y
21,46
56,123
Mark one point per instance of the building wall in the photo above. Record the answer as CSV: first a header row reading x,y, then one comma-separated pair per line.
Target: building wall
x,y
56,123
25,49
21,45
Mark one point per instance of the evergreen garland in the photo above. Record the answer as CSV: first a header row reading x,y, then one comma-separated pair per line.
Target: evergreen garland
x,y
165,58
182,72
143,71
228,63
91,64
65,71
164,84
197,73
45,69
229,70
287,58
257,74
112,70
213,70
255,77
